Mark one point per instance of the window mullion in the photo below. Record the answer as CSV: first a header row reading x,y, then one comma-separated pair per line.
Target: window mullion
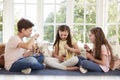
x,y
8,29
84,33
40,25
70,13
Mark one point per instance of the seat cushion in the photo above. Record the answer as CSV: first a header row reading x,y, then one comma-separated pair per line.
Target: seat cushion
x,y
2,50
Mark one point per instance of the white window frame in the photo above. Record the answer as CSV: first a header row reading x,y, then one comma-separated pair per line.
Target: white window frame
x,y
8,17
8,29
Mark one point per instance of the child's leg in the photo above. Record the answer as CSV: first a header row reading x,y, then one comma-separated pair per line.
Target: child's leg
x,y
54,63
80,60
89,65
40,58
29,62
71,62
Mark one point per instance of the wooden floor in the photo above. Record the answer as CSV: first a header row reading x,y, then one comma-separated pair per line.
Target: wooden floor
x,y
37,77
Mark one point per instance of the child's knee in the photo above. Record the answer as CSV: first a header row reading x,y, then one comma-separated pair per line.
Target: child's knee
x,y
84,63
75,59
31,60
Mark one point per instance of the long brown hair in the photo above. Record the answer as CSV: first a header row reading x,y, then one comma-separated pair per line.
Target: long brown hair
x,y
63,28
99,41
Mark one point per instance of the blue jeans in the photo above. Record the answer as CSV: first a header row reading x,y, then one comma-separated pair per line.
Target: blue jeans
x,y
33,62
89,65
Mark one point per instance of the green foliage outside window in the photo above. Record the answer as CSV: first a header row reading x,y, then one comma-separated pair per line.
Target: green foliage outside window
x,y
49,33
79,30
113,18
1,23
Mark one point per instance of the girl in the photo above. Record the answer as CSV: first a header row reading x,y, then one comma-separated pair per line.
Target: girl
x,y
65,49
100,58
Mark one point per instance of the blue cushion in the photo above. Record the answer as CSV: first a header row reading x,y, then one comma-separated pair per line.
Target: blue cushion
x,y
61,72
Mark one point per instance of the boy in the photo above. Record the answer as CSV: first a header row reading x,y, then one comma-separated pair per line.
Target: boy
x,y
18,53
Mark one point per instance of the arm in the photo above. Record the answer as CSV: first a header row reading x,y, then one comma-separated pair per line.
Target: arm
x,y
55,54
101,62
75,49
28,53
29,44
86,47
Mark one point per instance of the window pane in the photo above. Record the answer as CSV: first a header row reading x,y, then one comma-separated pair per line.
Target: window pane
x,y
91,14
78,31
119,33
112,1
31,1
118,14
31,15
19,11
90,1
19,1
60,13
111,30
83,1
88,27
49,1
112,13
49,33
1,20
49,13
79,1
60,1
1,32
1,14
1,5
78,13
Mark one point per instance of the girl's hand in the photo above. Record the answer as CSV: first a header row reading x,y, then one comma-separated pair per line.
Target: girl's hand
x,y
36,36
61,58
86,47
66,46
89,56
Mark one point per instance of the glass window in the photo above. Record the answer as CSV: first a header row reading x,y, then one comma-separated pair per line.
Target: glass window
x,y
112,12
111,30
1,20
49,1
60,14
54,15
48,13
19,1
31,1
113,21
91,14
22,9
119,33
60,1
78,32
49,33
84,19
78,13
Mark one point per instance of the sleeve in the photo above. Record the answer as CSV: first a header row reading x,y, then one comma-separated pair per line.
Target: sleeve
x,y
14,41
73,41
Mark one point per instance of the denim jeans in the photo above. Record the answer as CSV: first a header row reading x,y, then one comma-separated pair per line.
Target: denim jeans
x,y
33,62
89,65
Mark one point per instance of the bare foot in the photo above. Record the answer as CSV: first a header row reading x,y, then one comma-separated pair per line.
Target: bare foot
x,y
72,68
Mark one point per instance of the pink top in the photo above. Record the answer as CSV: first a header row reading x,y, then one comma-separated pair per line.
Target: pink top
x,y
12,52
105,52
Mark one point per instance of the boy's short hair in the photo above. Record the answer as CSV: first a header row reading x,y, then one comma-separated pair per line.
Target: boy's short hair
x,y
24,23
